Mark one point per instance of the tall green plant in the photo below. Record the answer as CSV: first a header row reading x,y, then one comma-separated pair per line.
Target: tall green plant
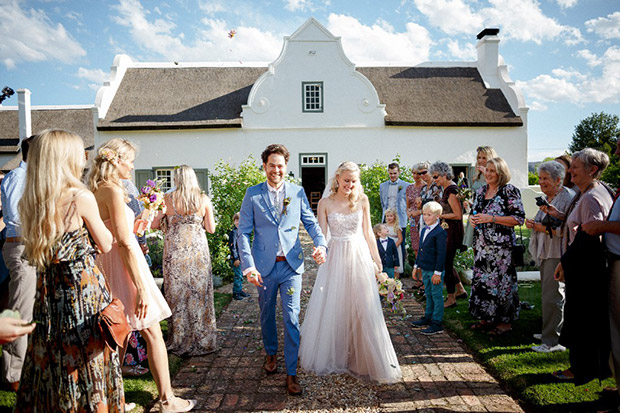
x,y
228,186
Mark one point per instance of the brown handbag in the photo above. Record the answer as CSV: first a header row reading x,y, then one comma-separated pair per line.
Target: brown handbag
x,y
113,324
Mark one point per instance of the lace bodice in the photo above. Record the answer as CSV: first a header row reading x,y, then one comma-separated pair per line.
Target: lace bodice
x,y
344,225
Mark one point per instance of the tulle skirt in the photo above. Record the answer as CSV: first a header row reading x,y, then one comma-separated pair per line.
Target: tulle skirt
x,y
344,329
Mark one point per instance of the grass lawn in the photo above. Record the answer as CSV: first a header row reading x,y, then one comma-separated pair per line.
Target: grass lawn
x,y
139,390
524,373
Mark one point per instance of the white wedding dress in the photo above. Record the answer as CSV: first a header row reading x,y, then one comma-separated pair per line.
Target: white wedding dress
x,y
344,329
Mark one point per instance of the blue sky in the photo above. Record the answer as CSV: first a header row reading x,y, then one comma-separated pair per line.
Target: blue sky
x,y
564,54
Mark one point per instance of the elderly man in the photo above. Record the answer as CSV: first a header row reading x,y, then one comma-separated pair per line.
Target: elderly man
x,y
392,194
23,277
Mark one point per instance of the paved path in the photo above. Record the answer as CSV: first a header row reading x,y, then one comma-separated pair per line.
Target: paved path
x,y
439,375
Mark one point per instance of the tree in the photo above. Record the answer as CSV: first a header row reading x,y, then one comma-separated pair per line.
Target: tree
x,y
600,131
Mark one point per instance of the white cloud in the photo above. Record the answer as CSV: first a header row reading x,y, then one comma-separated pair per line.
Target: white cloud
x,y
591,59
212,7
537,106
465,52
451,16
518,19
95,76
606,27
379,42
28,35
566,4
210,43
574,87
298,5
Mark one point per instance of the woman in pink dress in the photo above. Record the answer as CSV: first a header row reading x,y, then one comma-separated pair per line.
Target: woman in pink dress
x,y
414,207
125,266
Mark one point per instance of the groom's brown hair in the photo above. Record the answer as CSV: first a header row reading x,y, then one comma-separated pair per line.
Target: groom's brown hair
x,y
276,148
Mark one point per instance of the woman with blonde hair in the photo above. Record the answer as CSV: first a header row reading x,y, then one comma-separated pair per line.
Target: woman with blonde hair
x,y
483,154
68,366
188,284
125,266
344,329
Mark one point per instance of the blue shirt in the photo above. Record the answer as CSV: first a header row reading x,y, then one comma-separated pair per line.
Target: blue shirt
x,y
12,191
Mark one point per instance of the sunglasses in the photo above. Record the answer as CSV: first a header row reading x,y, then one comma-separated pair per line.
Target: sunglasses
x,y
436,176
420,173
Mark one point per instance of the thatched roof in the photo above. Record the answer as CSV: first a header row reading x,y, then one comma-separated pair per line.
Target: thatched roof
x,y
180,98
211,97
439,96
76,120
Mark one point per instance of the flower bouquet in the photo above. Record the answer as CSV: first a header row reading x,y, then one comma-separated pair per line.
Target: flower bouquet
x,y
392,290
463,193
152,197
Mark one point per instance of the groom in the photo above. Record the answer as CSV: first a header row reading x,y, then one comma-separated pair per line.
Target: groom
x,y
275,260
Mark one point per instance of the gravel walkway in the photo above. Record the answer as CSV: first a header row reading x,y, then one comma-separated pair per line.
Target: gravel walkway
x,y
439,375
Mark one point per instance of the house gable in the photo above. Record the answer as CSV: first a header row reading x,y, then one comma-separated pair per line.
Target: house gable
x,y
312,54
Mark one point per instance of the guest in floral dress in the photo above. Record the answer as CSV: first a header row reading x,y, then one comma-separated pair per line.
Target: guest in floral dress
x,y
68,367
188,284
496,210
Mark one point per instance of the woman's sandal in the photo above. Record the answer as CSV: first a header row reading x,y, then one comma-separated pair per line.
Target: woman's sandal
x,y
165,408
419,284
134,371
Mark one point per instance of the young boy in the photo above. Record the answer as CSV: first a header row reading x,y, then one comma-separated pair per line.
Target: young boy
x,y
387,249
431,261
238,293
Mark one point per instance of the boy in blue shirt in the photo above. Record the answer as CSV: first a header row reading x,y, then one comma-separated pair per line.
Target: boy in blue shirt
x,y
431,261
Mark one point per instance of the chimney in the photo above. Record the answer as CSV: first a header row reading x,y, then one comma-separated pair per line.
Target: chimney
x,y
488,52
23,107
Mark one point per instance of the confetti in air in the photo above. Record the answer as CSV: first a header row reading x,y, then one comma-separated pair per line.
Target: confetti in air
x,y
232,33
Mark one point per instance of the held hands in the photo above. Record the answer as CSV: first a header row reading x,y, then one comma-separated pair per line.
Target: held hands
x,y
529,223
318,254
255,278
481,219
558,274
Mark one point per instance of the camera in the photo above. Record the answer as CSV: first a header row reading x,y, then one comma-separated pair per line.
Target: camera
x,y
540,201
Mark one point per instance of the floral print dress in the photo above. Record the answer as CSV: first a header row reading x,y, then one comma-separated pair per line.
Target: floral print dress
x,y
188,287
68,367
494,292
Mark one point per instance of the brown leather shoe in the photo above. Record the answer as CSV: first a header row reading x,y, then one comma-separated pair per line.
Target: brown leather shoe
x,y
12,386
271,364
292,386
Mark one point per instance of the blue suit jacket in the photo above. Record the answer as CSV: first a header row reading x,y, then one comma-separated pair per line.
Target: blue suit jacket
x,y
257,214
389,256
401,200
432,252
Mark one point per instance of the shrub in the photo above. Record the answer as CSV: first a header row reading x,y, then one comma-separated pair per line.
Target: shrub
x,y
155,241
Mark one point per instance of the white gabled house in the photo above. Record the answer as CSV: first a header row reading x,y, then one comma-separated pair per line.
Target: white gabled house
x,y
314,100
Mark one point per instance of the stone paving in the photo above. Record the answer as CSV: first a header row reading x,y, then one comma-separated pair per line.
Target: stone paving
x,y
438,374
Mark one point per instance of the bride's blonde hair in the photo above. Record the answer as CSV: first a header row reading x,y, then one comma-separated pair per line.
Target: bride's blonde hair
x,y
357,192
56,160
104,169
187,194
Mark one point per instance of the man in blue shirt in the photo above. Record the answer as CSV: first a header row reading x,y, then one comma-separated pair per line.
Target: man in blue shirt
x,y
22,286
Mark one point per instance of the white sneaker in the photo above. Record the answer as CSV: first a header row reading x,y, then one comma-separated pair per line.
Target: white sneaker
x,y
537,336
543,348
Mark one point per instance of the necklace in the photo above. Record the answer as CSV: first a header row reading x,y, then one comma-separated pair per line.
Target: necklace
x,y
491,192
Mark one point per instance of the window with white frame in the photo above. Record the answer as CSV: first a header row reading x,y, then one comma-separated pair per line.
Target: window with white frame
x,y
312,96
165,175
312,160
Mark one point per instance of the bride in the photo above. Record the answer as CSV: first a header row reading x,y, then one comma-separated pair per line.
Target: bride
x,y
344,329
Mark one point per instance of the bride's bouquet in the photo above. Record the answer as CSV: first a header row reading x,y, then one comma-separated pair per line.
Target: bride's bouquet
x,y
152,198
392,290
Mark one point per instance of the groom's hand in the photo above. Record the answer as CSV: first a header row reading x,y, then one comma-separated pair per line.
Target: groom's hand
x,y
255,278
319,255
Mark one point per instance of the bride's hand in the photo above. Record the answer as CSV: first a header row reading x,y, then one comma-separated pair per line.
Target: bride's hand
x,y
141,304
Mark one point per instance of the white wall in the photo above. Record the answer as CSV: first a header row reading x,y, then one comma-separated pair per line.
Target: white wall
x,y
204,148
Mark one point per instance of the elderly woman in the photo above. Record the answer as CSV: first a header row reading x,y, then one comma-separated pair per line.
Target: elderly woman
x,y
414,208
586,324
496,210
545,247
483,154
453,216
